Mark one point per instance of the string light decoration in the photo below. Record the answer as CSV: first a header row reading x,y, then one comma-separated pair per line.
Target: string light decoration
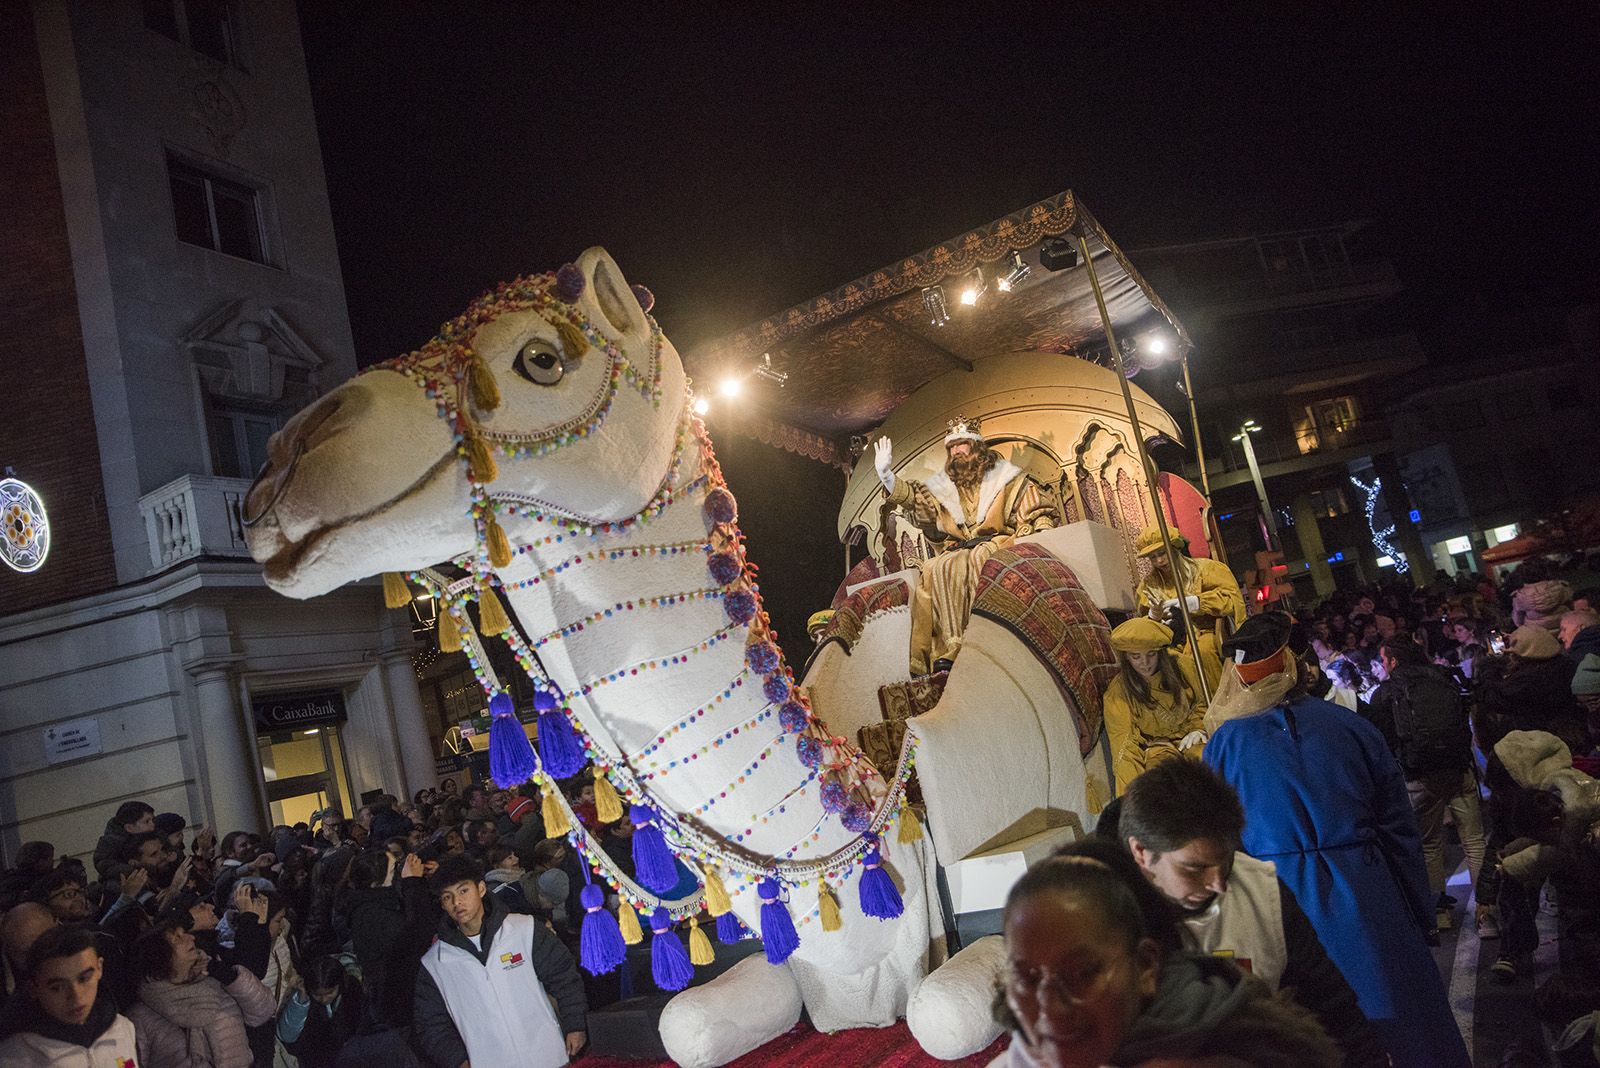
x,y
1380,538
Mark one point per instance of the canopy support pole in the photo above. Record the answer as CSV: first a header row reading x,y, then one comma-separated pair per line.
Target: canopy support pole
x,y
1154,489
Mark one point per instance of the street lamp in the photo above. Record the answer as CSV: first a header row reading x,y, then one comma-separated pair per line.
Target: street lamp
x,y
1251,427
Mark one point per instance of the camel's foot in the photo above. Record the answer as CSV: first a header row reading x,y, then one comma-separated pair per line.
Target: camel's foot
x,y
747,1006
951,1013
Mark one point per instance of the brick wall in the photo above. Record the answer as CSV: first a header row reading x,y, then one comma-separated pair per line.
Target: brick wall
x,y
47,430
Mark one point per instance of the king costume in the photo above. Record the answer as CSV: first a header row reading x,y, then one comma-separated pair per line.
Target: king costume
x,y
968,515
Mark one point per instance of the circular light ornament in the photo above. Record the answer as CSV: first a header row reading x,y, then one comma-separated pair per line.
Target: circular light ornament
x,y
24,527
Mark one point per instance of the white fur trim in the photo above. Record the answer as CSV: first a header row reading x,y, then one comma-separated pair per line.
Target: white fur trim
x,y
995,480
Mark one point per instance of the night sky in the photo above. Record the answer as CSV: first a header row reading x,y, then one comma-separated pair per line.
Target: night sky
x,y
743,163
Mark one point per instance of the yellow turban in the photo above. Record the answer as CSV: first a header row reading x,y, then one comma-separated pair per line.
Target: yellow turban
x,y
819,620
1141,634
1150,541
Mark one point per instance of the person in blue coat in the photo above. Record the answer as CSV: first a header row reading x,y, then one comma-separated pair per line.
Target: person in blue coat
x,y
1325,801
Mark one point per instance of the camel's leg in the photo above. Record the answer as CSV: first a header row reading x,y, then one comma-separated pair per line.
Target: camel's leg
x,y
951,1014
745,1007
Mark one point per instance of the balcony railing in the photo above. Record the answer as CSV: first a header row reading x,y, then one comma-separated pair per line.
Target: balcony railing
x,y
194,516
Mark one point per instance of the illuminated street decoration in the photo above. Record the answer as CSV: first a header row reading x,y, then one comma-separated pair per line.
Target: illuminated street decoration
x,y
1380,538
27,528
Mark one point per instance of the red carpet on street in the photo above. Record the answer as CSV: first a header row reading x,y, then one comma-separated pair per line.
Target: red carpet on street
x,y
803,1047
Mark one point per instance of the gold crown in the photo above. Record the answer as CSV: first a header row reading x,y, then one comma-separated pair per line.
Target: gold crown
x,y
963,429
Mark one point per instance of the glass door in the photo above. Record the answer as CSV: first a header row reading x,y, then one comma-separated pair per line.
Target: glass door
x,y
305,773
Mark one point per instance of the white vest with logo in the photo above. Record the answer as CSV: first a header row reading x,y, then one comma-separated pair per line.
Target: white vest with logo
x,y
500,1009
1245,923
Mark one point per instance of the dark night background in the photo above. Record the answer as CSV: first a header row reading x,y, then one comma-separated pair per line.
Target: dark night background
x,y
739,162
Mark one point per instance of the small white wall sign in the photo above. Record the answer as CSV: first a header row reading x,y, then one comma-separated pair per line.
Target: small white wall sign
x,y
71,740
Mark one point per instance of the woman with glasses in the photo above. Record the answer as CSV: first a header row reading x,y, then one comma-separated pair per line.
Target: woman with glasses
x,y
1087,984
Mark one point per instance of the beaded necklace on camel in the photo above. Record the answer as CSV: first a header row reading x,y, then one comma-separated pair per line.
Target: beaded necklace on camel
x,y
459,381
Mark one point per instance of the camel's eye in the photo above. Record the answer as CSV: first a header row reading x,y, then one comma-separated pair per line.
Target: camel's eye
x,y
538,363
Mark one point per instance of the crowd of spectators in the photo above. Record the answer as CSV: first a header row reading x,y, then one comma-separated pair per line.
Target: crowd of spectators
x,y
301,945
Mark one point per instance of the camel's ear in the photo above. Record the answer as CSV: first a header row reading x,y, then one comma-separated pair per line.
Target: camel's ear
x,y
607,297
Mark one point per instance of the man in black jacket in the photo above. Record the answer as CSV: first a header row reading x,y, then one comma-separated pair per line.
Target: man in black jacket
x,y
1419,709
1182,823
483,960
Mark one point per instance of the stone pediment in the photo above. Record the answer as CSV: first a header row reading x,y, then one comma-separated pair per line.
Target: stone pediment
x,y
251,353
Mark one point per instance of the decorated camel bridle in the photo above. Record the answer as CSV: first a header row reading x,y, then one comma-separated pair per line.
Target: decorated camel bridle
x,y
459,382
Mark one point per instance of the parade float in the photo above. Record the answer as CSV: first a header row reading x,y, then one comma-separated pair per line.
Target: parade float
x,y
539,467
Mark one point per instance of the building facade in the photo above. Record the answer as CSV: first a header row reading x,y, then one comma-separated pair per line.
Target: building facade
x,y
172,289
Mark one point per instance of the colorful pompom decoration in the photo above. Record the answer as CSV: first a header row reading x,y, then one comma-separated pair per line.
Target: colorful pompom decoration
x,y
600,948
857,817
778,936
724,568
776,689
834,798
720,507
740,606
793,717
762,658
511,760
559,749
570,282
652,859
646,299
809,750
669,961
879,897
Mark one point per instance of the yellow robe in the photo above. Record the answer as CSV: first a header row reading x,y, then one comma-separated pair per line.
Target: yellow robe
x,y
1220,601
943,598
1142,736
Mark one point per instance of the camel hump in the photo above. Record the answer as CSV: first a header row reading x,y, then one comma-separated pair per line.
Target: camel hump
x,y
1034,594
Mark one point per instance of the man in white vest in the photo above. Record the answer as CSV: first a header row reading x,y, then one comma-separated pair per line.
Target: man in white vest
x,y
496,989
1183,823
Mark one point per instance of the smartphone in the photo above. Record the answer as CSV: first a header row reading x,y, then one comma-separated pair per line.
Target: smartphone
x,y
1497,643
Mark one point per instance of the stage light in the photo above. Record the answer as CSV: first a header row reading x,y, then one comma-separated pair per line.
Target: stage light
x,y
731,386
974,287
1058,254
933,303
701,406
768,373
1155,344
1014,274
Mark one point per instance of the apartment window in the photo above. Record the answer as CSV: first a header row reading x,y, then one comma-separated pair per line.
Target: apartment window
x,y
210,27
215,212
239,439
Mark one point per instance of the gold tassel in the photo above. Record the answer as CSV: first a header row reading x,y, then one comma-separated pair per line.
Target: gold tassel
x,y
628,920
449,632
485,391
491,613
828,906
480,458
700,953
555,817
717,900
494,536
910,826
607,805
396,592
1094,798
573,343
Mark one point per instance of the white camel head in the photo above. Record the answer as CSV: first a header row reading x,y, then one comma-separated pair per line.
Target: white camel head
x,y
561,383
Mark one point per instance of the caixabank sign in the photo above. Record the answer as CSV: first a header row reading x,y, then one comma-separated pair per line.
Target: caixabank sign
x,y
291,711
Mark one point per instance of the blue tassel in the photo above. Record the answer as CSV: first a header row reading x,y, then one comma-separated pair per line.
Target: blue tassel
x,y
510,756
559,750
730,930
652,859
669,961
879,898
600,945
778,936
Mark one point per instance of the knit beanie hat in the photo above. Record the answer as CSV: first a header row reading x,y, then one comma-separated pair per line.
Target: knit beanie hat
x,y
1532,642
1586,683
517,807
1141,634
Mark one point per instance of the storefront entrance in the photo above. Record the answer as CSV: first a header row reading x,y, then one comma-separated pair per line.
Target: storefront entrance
x,y
302,755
